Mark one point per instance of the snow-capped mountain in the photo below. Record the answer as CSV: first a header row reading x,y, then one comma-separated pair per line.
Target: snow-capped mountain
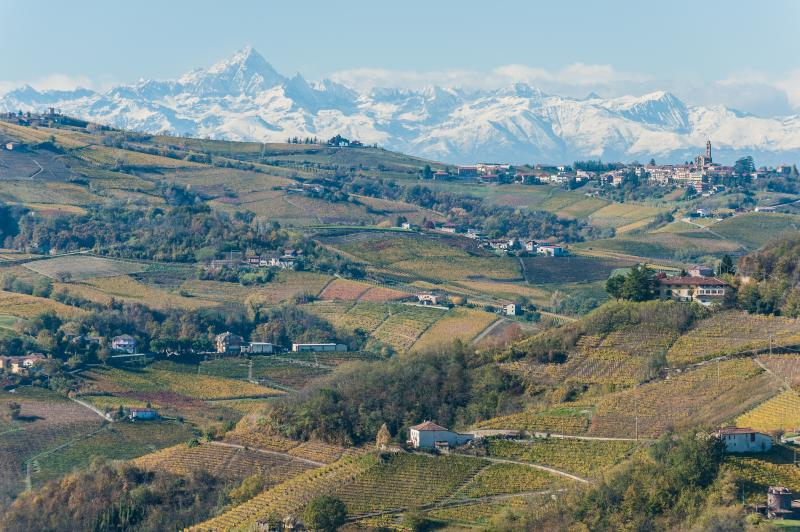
x,y
245,98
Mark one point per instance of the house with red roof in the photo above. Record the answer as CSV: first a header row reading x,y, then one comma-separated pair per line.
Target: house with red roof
x,y
705,290
429,435
744,440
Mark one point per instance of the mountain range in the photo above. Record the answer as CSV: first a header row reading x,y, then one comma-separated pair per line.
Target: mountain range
x,y
245,98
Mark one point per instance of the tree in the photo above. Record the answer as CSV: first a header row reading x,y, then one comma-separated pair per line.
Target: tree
x,y
614,286
383,437
325,514
639,284
427,173
726,266
744,166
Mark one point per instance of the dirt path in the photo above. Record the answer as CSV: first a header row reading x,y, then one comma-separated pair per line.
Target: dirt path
x,y
492,326
548,469
94,409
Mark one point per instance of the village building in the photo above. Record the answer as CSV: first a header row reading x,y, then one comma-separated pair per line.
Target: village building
x,y
21,364
142,414
305,348
512,309
704,290
700,271
429,435
467,171
441,175
551,250
228,343
744,440
124,342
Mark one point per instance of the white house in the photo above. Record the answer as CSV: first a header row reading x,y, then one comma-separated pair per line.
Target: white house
x,y
551,250
744,440
428,299
512,309
429,435
124,342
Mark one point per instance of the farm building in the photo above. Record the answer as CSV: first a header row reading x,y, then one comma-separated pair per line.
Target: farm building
x,y
228,342
303,348
551,250
261,348
744,440
429,435
142,413
428,299
781,504
512,309
704,290
124,342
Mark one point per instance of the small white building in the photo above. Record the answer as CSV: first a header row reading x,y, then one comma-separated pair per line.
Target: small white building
x,y
302,348
429,435
744,440
124,342
512,309
428,299
261,348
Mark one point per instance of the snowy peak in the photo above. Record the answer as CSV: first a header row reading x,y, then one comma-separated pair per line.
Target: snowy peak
x,y
245,98
246,72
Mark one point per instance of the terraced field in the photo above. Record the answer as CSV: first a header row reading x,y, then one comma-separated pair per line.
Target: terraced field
x,y
775,468
47,421
81,267
499,479
707,396
571,421
732,332
779,413
230,463
755,229
588,458
459,323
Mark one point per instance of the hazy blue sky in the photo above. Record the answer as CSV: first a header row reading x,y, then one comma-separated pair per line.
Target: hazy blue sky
x,y
742,50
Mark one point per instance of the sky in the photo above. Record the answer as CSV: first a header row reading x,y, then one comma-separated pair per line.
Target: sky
x,y
743,54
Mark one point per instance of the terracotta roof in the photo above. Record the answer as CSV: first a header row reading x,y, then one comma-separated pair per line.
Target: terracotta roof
x,y
736,430
427,425
713,281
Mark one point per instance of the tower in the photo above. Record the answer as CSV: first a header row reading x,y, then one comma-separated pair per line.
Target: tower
x,y
708,151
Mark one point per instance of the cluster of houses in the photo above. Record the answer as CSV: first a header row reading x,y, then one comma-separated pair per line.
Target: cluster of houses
x,y
284,259
501,245
20,365
697,174
229,343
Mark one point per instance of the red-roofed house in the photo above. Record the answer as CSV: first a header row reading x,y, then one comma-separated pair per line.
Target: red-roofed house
x,y
704,290
744,440
429,435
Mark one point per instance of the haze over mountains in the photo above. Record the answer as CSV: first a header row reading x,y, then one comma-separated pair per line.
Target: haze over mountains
x,y
245,98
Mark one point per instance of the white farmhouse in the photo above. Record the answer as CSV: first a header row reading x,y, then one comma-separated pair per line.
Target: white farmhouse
x,y
429,435
744,440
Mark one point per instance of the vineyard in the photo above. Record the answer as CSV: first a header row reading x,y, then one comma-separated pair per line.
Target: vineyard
x,y
315,451
344,290
230,463
569,422
779,413
290,496
381,294
192,386
120,441
498,479
732,332
405,325
126,288
80,267
709,395
787,366
581,457
775,468
47,421
573,268
461,323
404,480
25,306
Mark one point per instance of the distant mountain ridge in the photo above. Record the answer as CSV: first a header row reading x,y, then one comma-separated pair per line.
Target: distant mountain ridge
x,y
245,98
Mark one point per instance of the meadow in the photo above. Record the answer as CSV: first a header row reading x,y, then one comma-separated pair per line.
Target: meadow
x,y
81,267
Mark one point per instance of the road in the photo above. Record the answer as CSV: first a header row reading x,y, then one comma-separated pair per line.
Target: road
x,y
269,451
